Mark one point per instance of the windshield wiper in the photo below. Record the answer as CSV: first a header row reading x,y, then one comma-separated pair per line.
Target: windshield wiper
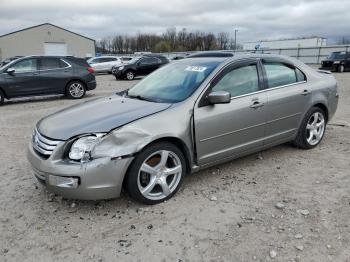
x,y
139,97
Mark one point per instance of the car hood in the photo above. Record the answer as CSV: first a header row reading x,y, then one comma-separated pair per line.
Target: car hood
x,y
98,115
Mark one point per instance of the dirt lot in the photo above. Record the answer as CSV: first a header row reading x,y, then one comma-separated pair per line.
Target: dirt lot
x,y
284,204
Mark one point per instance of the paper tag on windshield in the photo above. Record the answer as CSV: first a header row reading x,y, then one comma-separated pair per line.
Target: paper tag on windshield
x,y
195,68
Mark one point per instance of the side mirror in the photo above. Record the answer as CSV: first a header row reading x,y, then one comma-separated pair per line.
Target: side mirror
x,y
219,97
10,71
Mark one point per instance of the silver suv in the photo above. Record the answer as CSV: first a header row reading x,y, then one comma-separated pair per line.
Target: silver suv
x,y
184,117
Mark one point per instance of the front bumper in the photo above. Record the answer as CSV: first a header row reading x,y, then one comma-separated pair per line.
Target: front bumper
x,y
100,178
118,73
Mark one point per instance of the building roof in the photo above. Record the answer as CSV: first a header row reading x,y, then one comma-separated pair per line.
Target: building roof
x,y
50,25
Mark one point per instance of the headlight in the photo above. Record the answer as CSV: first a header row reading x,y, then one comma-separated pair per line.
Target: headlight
x,y
81,148
336,62
121,68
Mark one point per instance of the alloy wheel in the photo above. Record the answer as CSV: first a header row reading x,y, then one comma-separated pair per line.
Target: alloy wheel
x,y
130,75
76,90
159,175
315,128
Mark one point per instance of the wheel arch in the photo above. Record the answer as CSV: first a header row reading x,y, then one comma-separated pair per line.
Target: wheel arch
x,y
173,140
324,108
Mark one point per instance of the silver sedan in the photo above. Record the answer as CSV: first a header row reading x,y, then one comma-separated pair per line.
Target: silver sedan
x,y
186,116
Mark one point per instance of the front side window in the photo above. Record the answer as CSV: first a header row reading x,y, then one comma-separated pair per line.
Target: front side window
x,y
27,65
149,61
239,81
50,63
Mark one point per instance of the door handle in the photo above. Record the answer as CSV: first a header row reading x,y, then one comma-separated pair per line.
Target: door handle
x,y
256,105
306,92
35,74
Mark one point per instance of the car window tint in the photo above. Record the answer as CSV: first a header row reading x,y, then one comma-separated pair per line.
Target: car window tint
x,y
26,65
279,74
300,75
50,63
240,81
149,60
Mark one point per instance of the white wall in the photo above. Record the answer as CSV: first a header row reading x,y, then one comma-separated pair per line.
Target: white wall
x,y
292,43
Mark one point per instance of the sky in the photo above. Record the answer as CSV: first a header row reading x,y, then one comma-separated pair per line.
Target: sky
x,y
254,19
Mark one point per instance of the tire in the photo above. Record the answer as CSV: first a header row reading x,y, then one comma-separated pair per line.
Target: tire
x,y
312,129
75,89
156,173
2,98
130,75
341,68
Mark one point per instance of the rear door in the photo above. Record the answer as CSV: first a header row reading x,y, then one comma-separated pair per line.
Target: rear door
x,y
226,130
289,97
25,80
54,74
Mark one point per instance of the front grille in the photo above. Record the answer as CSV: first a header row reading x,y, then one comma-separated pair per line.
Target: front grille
x,y
42,145
327,63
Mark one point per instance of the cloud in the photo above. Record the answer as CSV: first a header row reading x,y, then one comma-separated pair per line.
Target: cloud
x,y
255,20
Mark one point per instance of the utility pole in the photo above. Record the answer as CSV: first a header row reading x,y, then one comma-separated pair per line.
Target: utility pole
x,y
236,30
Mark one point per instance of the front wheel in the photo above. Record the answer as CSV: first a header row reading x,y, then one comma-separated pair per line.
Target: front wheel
x,y
75,90
130,75
312,129
156,173
341,68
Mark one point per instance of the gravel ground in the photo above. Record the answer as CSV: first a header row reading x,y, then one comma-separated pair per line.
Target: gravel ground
x,y
283,204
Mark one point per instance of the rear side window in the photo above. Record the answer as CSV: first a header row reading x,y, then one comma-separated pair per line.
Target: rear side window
x,y
239,81
300,75
50,63
279,74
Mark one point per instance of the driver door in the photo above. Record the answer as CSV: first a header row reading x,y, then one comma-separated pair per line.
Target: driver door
x,y
25,80
223,131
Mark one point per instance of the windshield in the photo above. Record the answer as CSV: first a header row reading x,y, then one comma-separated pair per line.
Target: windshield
x,y
337,55
173,83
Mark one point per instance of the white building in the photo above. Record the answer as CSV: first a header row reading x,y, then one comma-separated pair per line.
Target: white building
x,y
45,39
286,43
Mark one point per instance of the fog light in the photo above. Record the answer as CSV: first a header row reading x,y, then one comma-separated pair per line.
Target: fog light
x,y
60,181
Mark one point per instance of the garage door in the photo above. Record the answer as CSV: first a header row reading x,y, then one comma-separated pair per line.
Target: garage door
x,y
55,49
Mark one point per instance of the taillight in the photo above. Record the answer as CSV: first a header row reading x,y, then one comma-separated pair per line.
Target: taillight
x,y
91,70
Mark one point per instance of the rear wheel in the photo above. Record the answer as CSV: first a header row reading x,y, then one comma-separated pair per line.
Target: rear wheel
x,y
2,97
75,90
130,75
312,129
156,173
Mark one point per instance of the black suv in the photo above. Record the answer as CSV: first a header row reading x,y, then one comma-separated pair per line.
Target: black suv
x,y
337,61
139,66
46,75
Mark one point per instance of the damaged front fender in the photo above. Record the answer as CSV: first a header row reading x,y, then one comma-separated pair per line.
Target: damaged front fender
x,y
121,142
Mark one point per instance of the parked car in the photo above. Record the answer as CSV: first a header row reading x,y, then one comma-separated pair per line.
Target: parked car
x,y
9,60
186,116
337,61
104,64
125,59
139,66
210,54
46,75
